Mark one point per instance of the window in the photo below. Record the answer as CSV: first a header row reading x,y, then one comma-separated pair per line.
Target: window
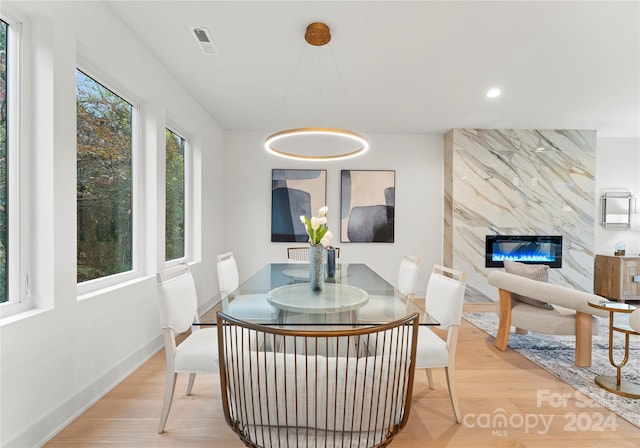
x,y
11,293
105,183
175,196
4,178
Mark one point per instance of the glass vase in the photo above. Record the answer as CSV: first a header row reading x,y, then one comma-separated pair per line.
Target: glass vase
x,y
316,267
331,262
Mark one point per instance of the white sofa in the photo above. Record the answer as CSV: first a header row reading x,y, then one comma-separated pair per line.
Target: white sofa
x,y
571,313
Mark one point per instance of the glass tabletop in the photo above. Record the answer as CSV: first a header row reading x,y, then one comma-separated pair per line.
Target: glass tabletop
x,y
280,294
619,307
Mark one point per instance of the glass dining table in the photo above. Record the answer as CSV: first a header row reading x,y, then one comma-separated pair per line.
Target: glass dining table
x,y
280,294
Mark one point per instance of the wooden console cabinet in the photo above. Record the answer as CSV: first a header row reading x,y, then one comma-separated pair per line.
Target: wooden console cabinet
x,y
614,277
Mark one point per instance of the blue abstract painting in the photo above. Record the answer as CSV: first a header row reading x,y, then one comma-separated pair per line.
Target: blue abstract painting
x,y
295,193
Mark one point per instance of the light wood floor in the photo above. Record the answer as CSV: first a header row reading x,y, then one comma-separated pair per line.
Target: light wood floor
x,y
490,382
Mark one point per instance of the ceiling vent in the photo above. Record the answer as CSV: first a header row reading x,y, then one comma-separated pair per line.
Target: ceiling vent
x,y
204,39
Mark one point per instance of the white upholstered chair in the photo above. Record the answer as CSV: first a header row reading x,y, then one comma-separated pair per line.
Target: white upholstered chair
x,y
198,353
443,300
253,307
408,275
296,390
390,307
570,313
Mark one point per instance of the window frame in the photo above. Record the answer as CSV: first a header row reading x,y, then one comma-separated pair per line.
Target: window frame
x,y
19,296
89,288
188,197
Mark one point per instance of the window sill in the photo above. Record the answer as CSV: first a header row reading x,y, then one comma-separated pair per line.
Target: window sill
x,y
27,314
114,287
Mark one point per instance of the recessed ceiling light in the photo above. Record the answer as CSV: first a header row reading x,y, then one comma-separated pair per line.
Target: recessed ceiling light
x,y
493,92
540,149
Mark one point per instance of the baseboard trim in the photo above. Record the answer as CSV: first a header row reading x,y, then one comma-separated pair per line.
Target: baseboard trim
x,y
40,432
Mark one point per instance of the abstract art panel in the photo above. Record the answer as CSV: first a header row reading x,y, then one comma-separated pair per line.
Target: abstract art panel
x,y
367,206
295,193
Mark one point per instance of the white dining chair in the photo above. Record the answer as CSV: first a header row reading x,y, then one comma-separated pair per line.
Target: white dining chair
x,y
298,254
301,254
384,308
443,300
253,307
296,390
408,275
198,353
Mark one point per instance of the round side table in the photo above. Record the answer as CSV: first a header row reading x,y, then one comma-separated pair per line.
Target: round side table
x,y
616,384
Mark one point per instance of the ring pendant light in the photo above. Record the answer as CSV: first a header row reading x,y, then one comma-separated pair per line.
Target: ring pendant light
x,y
344,143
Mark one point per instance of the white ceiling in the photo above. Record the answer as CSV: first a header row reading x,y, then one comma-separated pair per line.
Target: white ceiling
x,y
404,66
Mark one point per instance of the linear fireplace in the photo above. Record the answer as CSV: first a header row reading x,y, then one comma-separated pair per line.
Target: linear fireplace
x,y
530,249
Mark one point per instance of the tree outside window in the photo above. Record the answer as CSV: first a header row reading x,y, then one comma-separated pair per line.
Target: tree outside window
x,y
104,185
175,197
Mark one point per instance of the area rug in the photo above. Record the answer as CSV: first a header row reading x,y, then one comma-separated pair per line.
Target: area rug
x,y
555,354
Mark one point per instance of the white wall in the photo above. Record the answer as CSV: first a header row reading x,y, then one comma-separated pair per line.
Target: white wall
x,y
618,166
418,162
57,362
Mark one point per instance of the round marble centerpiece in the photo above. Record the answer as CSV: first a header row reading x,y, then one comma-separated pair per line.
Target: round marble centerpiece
x,y
334,298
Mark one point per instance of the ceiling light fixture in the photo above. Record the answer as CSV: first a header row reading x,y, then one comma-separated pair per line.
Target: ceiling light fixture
x,y
345,144
493,93
316,143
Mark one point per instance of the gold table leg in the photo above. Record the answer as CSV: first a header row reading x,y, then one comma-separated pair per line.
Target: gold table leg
x,y
615,384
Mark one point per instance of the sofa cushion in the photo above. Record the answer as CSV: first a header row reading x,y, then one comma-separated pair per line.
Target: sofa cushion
x,y
539,272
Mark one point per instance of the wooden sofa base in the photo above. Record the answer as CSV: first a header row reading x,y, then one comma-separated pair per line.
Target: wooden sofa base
x,y
584,329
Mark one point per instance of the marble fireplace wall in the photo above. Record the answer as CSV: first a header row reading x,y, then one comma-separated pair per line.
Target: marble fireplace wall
x,y
519,182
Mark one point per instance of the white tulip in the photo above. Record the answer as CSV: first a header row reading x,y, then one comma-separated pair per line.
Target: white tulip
x,y
323,211
302,219
322,220
328,235
315,223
